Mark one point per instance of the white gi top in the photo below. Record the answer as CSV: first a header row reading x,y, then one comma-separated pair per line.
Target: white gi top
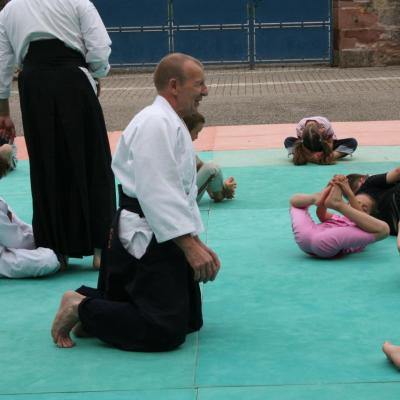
x,y
155,162
15,233
19,257
75,22
329,133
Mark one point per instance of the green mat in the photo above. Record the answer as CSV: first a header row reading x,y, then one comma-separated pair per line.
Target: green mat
x,y
278,324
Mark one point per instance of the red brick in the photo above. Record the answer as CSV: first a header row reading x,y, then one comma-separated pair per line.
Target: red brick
x,y
364,35
356,18
347,43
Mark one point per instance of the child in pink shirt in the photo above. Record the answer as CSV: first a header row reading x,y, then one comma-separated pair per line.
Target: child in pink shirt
x,y
336,234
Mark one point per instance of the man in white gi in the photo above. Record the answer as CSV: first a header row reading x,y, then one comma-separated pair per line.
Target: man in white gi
x,y
148,295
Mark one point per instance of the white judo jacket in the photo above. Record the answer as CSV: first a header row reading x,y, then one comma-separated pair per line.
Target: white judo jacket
x,y
155,162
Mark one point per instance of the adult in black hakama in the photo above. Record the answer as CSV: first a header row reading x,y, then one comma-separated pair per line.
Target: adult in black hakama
x,y
72,182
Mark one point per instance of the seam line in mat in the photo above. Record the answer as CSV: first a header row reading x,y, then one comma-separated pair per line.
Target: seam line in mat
x,y
199,387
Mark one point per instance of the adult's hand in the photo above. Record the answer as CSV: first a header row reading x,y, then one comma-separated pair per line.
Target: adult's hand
x,y
204,261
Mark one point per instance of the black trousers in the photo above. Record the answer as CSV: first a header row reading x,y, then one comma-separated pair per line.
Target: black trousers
x,y
73,189
346,146
388,209
149,304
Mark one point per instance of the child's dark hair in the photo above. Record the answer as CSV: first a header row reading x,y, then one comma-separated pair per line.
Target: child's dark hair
x,y
354,180
4,166
193,120
312,142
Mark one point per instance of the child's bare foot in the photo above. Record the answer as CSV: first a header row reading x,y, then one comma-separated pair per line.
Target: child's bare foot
x,y
230,186
392,353
334,198
66,318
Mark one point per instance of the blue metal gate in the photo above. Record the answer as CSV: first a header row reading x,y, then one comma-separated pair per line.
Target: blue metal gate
x,y
218,31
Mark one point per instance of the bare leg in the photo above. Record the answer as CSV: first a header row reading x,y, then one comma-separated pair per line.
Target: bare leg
x,y
96,258
392,353
302,200
66,318
364,221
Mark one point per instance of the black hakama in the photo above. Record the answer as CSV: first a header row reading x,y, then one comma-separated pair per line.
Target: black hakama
x,y
72,183
388,209
149,304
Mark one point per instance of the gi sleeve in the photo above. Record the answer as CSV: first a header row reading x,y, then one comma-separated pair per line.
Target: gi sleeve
x,y
96,39
7,62
15,234
159,182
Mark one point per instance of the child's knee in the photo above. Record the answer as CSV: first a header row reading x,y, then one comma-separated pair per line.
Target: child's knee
x,y
212,168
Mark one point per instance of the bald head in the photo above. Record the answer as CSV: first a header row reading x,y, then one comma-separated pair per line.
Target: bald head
x,y
172,67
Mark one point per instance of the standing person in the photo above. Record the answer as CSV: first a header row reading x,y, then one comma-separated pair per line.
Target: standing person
x,y
209,175
316,142
336,234
148,296
61,50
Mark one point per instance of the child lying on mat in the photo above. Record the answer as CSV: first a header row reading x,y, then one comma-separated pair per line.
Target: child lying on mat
x,y
380,195
19,257
336,234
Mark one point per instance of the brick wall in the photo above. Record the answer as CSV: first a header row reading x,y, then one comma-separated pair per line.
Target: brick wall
x,y
366,32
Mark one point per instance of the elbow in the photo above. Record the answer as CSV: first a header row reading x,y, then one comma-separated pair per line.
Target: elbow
x,y
383,232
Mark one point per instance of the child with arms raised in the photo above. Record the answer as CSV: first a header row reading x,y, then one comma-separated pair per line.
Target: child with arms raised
x,y
336,234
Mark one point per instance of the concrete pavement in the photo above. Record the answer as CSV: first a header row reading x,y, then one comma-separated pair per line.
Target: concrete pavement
x,y
267,95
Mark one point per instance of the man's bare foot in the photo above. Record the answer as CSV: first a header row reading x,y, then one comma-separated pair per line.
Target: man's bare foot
x,y
96,258
229,189
334,198
392,353
79,331
66,318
